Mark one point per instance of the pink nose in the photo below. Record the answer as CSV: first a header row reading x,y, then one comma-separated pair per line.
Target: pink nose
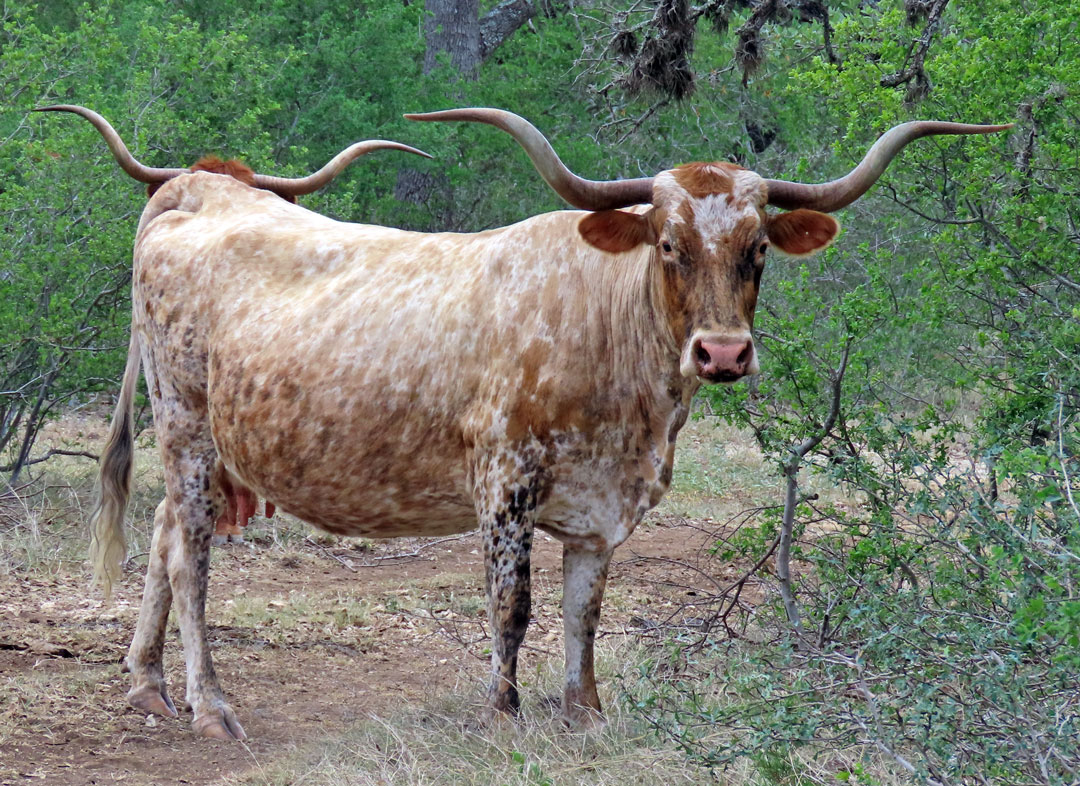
x,y
719,361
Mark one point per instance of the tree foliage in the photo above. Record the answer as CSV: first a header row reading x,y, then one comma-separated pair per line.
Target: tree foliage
x,y
936,620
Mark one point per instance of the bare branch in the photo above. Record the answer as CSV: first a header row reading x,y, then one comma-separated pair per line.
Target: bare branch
x,y
914,75
49,455
791,476
503,21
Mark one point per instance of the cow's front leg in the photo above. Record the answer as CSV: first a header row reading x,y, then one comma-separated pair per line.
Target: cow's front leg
x,y
584,577
148,692
507,527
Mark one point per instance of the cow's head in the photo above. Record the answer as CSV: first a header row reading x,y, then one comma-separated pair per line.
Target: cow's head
x,y
708,231
709,235
287,188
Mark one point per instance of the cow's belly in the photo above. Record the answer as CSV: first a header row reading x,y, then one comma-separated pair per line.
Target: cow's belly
x,y
355,459
351,491
349,504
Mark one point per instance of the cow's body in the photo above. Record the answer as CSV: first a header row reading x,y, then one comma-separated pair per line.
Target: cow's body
x,y
378,382
361,377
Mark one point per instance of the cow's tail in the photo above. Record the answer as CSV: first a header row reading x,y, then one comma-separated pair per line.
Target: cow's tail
x,y
107,545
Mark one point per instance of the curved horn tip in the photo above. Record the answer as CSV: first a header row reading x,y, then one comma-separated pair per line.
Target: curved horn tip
x,y
990,129
458,113
423,115
373,145
384,144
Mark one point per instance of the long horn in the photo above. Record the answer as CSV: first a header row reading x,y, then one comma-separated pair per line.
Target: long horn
x,y
299,186
281,185
585,194
836,194
139,171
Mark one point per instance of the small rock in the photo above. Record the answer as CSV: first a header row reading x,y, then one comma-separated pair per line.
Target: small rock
x,y
151,721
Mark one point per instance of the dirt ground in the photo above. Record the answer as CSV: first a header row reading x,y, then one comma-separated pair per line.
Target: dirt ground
x,y
307,636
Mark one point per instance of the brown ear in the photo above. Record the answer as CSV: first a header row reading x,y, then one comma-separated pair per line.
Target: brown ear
x,y
616,230
801,232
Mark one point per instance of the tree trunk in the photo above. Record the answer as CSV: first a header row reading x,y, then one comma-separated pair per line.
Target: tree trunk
x,y
452,27
455,28
502,21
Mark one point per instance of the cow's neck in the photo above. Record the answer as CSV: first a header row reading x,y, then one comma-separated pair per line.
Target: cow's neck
x,y
654,397
652,352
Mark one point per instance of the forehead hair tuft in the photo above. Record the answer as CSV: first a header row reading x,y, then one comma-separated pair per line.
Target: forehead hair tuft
x,y
232,168
704,179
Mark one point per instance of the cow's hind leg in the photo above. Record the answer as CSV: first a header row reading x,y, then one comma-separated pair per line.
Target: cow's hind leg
x,y
507,521
148,692
194,482
584,577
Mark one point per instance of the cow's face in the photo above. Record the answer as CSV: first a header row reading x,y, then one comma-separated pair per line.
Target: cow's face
x,y
710,235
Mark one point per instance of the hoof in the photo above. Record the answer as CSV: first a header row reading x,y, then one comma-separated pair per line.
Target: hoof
x,y
582,712
219,540
152,698
496,718
237,538
220,724
583,719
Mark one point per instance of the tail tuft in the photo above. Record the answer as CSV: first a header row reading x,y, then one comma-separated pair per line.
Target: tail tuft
x,y
107,545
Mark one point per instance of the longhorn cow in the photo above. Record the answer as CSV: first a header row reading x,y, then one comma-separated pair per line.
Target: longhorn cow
x,y
378,382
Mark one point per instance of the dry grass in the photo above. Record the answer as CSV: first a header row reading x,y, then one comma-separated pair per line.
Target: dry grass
x,y
440,741
277,618
43,525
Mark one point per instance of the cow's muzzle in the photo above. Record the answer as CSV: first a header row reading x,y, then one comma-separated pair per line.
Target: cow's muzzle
x,y
719,358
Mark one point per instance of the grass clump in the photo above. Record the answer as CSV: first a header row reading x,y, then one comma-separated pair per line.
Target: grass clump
x,y
440,742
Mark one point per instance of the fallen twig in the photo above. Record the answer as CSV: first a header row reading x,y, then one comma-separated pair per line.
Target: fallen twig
x,y
329,553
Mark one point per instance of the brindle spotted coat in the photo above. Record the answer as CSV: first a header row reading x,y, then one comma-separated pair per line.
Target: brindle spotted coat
x,y
378,382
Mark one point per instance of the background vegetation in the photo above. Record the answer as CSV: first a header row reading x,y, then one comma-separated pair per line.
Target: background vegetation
x,y
928,364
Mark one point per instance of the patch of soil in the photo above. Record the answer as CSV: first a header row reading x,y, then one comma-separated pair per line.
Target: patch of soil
x,y
305,641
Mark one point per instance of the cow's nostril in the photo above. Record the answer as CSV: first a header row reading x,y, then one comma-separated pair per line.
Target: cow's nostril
x,y
702,355
744,356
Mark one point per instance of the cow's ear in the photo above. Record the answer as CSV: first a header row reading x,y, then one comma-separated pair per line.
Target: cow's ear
x,y
801,232
616,230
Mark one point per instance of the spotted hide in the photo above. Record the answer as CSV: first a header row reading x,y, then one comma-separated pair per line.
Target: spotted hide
x,y
240,503
378,382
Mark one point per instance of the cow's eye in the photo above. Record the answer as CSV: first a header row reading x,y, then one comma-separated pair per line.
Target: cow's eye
x,y
666,246
763,248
